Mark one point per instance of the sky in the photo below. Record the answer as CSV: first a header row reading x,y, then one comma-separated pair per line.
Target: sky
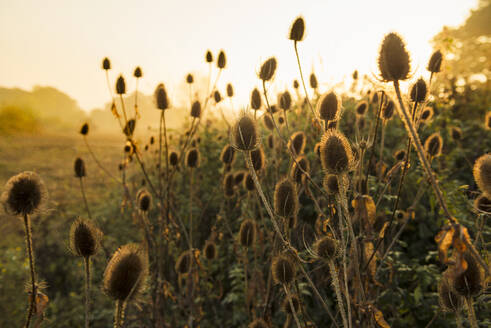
x,y
61,43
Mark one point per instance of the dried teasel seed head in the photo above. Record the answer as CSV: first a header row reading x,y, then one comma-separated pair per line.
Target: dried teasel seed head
x,y
331,184
361,108
160,97
249,182
434,144
120,85
468,283
217,96
255,99
138,72
227,155
388,109
196,109
448,299
210,250
183,263
268,69
419,91
258,159
355,75
273,109
173,158
189,78
456,133
79,168
209,57
400,154
482,173
106,64
268,122
228,185
245,134
297,30
258,323
336,154
297,143
247,233
152,140
24,194
285,198
126,273
84,130
144,200
393,60
296,173
482,204
221,61
326,248
328,107
230,90
285,306
192,158
129,127
295,84
435,62
313,81
374,99
427,114
239,177
285,100
85,238
271,141
283,270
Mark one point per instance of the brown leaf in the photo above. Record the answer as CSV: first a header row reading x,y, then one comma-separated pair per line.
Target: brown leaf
x,y
444,240
379,318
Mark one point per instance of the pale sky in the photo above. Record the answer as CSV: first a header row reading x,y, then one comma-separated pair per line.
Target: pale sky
x,y
61,43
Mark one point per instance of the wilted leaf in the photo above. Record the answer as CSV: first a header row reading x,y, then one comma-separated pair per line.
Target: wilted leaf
x,y
381,234
379,318
444,239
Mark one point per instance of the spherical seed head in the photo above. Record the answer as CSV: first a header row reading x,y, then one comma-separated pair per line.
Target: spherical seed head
x,y
230,90
268,122
210,250
85,238
427,114
296,173
283,270
326,248
247,233
487,121
217,96
160,97
192,158
144,200
126,273
189,78
361,108
331,184
196,109
393,60
209,57
84,130
24,194
482,173
435,63
221,61
255,99
79,168
400,154
434,144
313,81
138,72
468,283
456,133
228,185
173,158
245,134
285,306
258,159
120,85
227,155
388,109
328,107
297,29
285,198
268,69
295,84
183,263
258,323
419,91
106,64
336,154
285,100
483,204
297,143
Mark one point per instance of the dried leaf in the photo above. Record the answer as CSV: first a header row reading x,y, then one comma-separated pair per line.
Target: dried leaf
x,y
444,240
381,234
379,318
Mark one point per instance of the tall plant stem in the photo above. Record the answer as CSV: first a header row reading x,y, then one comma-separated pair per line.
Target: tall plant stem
x,y
344,248
97,161
337,289
119,314
84,197
374,139
470,312
30,253
87,290
292,308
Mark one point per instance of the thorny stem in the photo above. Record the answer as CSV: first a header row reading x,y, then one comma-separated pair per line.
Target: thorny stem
x,y
84,197
335,283
374,138
32,305
292,308
87,290
471,313
343,250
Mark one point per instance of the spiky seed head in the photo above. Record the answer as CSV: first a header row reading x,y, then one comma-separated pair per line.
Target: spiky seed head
x,y
297,29
331,184
183,263
328,107
221,61
173,158
210,250
258,159
189,78
209,57
24,194
283,270
295,84
482,173
126,273
249,182
258,323
84,130
388,109
393,60
160,97
268,69
268,122
244,134
297,143
85,238
456,133
144,200
434,144
448,299
355,75
79,168
227,155
285,100
361,108
271,141
435,62
302,163
285,306
217,96
313,81
120,85
239,177
247,233
192,158
273,109
427,114
487,121
129,127
326,248
228,185
138,72
419,91
230,90
483,204
196,109
400,154
255,99
106,64
374,99
468,283
285,198
336,154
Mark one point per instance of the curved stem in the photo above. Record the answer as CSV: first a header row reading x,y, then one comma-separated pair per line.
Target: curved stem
x,y
84,197
32,304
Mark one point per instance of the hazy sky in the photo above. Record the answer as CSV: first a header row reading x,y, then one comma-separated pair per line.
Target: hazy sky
x,y
61,42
